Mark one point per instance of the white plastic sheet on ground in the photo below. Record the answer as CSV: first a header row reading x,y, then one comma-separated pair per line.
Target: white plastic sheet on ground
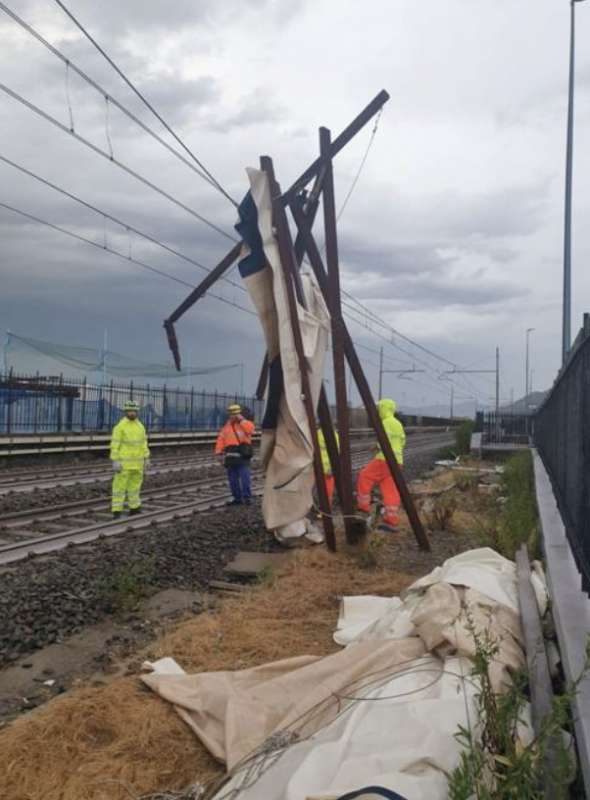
x,y
383,711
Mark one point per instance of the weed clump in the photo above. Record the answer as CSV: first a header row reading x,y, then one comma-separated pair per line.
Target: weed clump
x,y
496,764
518,521
128,585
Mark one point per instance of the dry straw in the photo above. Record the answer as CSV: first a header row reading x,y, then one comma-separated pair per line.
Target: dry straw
x,y
121,741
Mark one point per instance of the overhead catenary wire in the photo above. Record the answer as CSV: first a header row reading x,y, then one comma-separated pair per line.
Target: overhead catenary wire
x,y
106,248
32,107
144,100
70,65
367,313
435,383
106,215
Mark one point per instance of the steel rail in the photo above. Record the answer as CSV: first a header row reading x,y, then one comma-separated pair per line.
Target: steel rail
x,y
48,543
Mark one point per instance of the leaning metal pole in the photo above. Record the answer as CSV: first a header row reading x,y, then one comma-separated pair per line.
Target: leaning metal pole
x,y
290,272
364,389
354,532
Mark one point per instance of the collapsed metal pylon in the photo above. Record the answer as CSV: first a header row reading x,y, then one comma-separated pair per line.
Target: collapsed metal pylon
x,y
303,207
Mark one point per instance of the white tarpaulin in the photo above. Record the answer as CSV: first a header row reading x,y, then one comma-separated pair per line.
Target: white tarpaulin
x,y
287,447
384,711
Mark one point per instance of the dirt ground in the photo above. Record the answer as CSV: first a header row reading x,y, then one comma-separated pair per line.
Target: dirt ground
x,y
110,738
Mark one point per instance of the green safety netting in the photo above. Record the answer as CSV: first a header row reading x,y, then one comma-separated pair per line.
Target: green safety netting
x,y
98,360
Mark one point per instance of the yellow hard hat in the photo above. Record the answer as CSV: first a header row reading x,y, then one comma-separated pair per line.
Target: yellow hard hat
x,y
234,408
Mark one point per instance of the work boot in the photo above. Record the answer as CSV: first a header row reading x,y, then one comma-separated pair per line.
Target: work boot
x,y
116,514
389,526
134,511
234,503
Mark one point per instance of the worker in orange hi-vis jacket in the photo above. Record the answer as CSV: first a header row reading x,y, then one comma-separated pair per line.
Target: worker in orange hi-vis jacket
x,y
234,445
377,470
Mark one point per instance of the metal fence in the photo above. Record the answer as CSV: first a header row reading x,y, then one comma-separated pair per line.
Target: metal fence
x,y
37,404
505,428
562,436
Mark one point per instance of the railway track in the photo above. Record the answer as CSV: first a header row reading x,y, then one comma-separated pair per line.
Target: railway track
x,y
27,480
44,530
49,478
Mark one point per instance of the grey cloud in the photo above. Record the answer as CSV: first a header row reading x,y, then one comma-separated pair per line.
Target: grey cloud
x,y
387,259
517,211
256,108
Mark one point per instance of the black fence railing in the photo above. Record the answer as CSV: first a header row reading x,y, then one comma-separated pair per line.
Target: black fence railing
x,y
37,404
505,428
562,436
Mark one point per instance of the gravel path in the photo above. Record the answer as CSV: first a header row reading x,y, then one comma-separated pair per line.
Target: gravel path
x,y
46,599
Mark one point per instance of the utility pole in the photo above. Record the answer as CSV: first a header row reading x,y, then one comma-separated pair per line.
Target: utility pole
x,y
567,236
512,400
497,381
497,426
452,398
527,373
380,393
105,343
5,352
495,372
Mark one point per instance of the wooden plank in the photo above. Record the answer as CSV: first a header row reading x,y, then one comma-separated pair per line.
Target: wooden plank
x,y
540,679
541,688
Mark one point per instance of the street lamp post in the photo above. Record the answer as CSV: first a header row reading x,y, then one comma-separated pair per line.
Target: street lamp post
x,y
527,373
567,236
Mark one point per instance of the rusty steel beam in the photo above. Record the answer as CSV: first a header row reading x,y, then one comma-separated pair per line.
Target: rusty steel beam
x,y
339,142
216,273
362,383
314,170
354,532
290,270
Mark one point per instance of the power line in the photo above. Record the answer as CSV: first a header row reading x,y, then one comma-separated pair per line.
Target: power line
x,y
123,256
128,227
376,318
32,107
361,165
144,100
436,383
103,92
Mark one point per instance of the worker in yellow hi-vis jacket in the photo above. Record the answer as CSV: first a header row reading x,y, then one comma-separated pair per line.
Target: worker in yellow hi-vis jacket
x,y
130,456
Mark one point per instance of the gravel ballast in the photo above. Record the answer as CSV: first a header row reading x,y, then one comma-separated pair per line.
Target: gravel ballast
x,y
46,599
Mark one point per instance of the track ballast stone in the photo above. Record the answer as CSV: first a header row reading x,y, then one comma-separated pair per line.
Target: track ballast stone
x,y
48,598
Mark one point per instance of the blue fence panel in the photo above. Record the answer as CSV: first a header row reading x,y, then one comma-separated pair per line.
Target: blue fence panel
x,y
32,404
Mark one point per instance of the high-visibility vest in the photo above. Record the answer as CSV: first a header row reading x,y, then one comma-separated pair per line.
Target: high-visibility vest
x,y
129,444
234,434
326,465
393,428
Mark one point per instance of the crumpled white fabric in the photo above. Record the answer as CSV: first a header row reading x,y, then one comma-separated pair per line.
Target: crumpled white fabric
x,y
396,726
287,452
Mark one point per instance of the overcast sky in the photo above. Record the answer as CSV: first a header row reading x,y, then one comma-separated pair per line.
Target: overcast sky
x,y
454,233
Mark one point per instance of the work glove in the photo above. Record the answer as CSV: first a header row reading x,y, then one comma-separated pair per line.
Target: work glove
x,y
117,466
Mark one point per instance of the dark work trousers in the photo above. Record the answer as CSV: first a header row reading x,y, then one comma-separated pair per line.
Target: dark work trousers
x,y
239,481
